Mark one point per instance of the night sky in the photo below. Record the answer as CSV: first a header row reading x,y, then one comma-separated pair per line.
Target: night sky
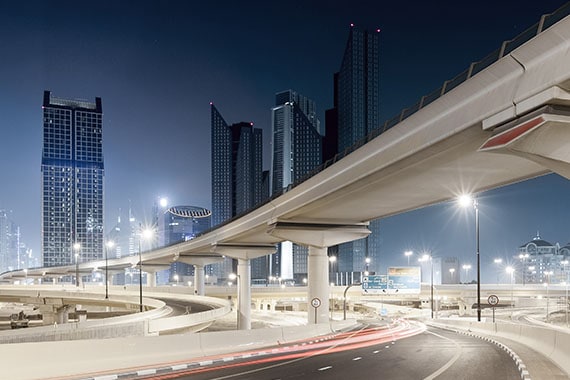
x,y
157,65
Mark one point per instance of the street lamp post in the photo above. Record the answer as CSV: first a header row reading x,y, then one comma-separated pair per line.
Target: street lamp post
x,y
424,258
408,254
511,271
144,234
452,273
498,262
332,260
76,248
548,274
344,298
565,263
523,258
466,200
466,267
109,244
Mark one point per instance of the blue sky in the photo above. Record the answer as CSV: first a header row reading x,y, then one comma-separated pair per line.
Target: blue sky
x,y
158,64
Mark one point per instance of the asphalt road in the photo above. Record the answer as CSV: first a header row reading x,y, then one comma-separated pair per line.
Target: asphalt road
x,y
403,353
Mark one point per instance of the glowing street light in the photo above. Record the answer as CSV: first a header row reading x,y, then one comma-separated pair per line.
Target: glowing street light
x,y
510,270
426,258
467,201
408,254
109,245
145,234
523,258
77,248
498,262
466,268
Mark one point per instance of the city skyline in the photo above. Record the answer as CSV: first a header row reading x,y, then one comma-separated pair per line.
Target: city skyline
x,y
157,78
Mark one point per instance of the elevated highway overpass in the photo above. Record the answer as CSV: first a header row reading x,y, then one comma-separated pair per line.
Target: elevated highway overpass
x,y
504,120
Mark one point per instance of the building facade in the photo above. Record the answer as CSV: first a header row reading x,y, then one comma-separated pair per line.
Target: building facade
x,y
356,113
296,151
542,262
72,181
237,175
182,223
11,255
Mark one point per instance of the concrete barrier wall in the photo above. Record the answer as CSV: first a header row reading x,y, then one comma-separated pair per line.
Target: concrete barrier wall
x,y
45,359
552,343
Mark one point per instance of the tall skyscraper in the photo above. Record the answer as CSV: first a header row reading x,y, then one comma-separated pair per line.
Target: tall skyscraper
x,y
182,223
358,87
237,179
297,150
10,255
357,113
72,180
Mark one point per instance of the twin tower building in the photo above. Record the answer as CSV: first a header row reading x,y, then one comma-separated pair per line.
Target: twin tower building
x,y
73,167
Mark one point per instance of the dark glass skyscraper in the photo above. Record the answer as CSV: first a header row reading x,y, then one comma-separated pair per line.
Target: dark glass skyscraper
x,y
72,180
237,173
297,150
357,109
358,87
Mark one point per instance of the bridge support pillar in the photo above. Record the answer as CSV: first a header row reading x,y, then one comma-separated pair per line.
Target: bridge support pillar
x,y
318,237
55,315
319,287
244,294
199,279
244,253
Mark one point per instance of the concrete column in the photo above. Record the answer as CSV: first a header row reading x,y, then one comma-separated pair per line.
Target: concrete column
x,y
51,315
244,294
318,285
199,287
151,279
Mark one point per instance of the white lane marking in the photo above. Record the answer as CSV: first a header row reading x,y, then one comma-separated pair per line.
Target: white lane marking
x,y
357,358
179,367
143,372
206,362
106,377
375,352
228,359
325,368
450,362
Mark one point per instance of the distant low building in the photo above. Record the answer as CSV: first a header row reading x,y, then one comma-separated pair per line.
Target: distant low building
x,y
542,262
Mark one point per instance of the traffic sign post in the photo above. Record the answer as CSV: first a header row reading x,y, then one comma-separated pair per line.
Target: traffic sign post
x,y
493,300
315,302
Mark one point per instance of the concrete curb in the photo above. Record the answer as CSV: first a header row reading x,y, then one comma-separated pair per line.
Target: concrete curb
x,y
518,361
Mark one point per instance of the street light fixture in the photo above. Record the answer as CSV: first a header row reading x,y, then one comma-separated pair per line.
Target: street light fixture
x,y
466,267
110,244
498,262
510,270
144,234
452,273
332,260
425,258
523,258
465,201
408,254
76,248
344,298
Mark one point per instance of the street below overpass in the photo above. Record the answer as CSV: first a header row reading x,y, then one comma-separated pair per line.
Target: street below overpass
x,y
407,350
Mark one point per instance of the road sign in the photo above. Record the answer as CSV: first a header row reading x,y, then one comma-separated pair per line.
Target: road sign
x,y
405,280
315,302
493,300
375,284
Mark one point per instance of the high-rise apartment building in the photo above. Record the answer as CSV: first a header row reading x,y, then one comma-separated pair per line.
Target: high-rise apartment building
x,y
296,151
182,223
358,87
237,174
72,180
10,255
357,113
